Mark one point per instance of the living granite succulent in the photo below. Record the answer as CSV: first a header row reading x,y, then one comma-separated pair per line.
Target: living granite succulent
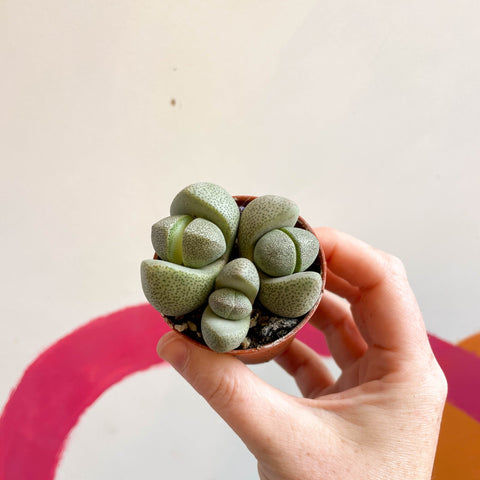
x,y
217,270
226,320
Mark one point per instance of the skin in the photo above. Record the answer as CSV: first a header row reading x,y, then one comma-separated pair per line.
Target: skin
x,y
379,420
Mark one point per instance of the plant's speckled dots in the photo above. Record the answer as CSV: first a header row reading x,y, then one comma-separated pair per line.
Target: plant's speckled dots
x,y
212,202
230,304
167,237
174,289
223,335
307,246
262,215
203,243
237,286
242,275
290,296
194,245
275,254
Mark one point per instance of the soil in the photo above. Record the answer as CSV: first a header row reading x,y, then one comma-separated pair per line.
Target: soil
x,y
264,327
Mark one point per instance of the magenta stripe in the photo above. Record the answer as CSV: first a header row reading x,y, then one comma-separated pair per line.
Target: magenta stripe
x,y
462,369
314,339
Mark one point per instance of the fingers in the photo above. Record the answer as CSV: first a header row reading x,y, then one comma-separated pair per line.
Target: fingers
x,y
334,318
307,368
385,310
341,287
351,259
249,405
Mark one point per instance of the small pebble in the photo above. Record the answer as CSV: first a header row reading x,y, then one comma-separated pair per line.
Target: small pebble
x,y
246,343
192,326
180,327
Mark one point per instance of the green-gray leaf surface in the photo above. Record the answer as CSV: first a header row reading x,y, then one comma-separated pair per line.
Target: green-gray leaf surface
x,y
223,335
262,215
212,202
174,289
230,304
307,246
290,296
167,236
240,274
203,243
275,254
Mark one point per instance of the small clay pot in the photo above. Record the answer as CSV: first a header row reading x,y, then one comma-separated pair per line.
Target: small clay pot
x,y
264,353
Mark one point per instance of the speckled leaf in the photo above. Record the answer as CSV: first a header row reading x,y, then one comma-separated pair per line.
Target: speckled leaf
x,y
290,296
240,274
307,247
174,289
223,335
167,237
230,304
212,202
203,243
262,215
275,254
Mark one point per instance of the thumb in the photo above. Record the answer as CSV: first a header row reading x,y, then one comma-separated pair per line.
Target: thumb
x,y
248,404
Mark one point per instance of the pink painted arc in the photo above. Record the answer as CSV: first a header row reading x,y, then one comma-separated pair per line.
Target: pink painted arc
x,y
462,369
71,374
66,379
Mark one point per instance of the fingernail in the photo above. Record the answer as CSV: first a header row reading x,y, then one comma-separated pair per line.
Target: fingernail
x,y
174,351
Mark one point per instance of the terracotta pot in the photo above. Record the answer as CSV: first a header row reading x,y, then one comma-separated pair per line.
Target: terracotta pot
x,y
267,352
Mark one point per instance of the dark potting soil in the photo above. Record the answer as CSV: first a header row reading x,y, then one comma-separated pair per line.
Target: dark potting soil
x,y
265,327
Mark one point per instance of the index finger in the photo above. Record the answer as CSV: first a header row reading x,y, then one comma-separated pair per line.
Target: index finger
x,y
385,311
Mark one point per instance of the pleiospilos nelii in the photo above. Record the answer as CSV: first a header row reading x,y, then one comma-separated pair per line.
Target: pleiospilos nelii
x,y
230,304
224,322
285,251
240,274
194,268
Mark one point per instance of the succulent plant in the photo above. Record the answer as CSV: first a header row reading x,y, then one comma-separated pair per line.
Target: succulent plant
x,y
262,215
176,289
266,233
240,274
226,320
187,241
194,266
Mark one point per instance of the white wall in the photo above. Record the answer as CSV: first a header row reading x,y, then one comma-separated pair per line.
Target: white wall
x,y
366,114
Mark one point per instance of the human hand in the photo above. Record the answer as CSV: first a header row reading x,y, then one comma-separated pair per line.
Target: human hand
x,y
379,420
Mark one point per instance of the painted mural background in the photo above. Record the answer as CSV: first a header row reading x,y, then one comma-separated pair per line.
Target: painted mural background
x,y
364,114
